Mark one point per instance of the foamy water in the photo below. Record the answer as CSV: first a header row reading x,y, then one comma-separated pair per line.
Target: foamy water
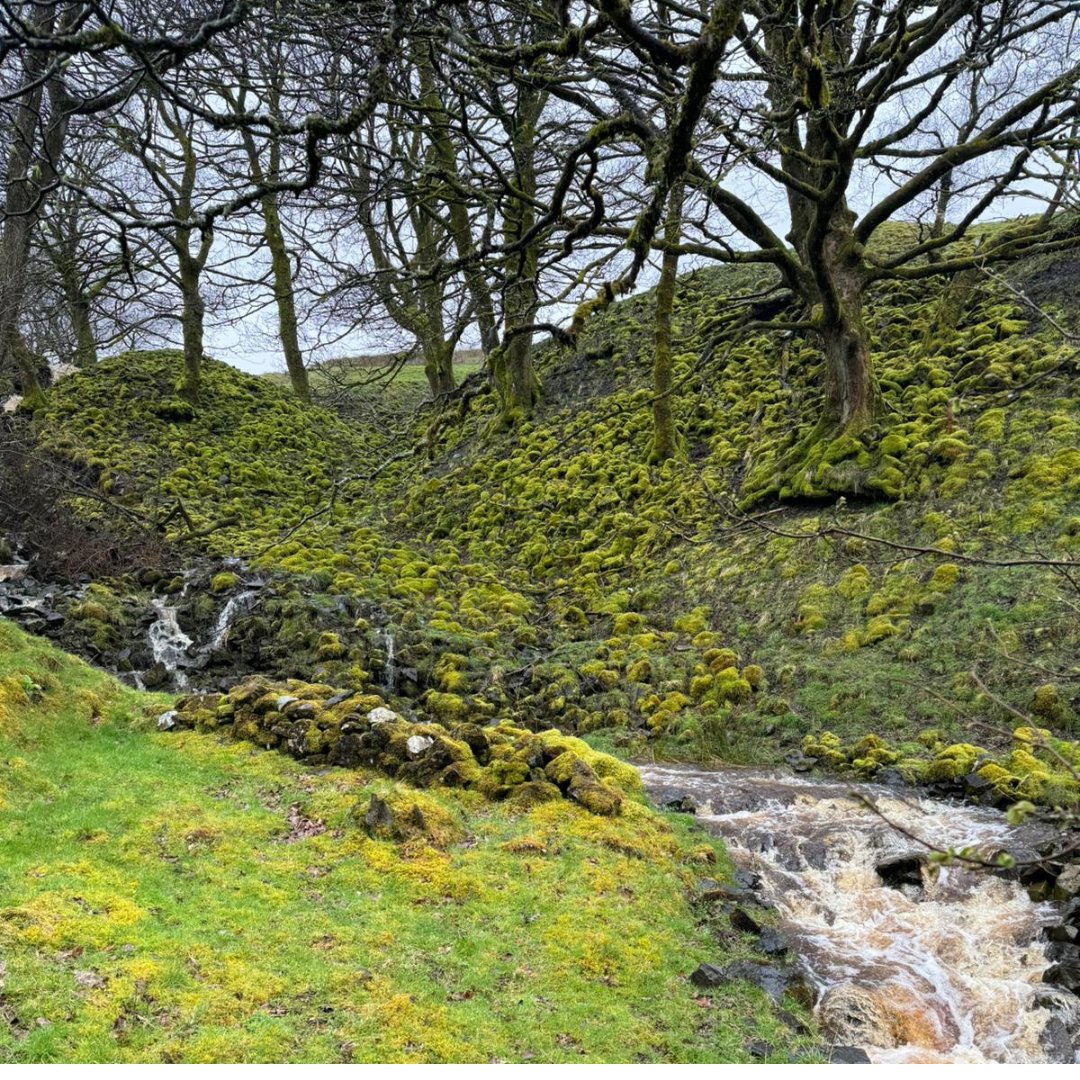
x,y
942,972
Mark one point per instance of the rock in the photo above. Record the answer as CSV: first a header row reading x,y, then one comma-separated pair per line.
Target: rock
x,y
775,981
848,1055
905,870
1064,974
379,818
772,943
740,920
709,975
338,698
89,980
681,805
746,879
1056,1044
1064,952
156,675
382,715
417,744
1067,885
167,720
283,700
1064,932
1062,1004
758,1049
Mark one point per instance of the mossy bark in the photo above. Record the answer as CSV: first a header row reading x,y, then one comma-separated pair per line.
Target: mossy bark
x,y
285,298
439,367
191,322
665,438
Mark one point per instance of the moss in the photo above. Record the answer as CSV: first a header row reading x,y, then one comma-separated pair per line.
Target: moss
x,y
223,582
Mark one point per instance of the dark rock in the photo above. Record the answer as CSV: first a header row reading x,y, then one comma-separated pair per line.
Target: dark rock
x,y
1064,952
709,975
1059,1003
155,676
775,981
848,1055
681,805
1067,975
905,870
1056,1044
772,943
758,1049
814,854
1063,933
746,879
379,818
740,920
976,784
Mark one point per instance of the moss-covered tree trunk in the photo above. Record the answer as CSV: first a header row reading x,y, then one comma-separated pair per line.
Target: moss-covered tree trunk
x,y
439,367
285,298
665,438
191,322
851,394
512,364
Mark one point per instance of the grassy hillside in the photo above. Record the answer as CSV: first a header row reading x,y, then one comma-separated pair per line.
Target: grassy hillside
x,y
765,586
168,897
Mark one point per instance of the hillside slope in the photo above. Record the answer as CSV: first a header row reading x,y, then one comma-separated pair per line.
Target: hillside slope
x,y
761,588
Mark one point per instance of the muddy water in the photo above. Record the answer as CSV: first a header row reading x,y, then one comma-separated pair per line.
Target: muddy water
x,y
941,971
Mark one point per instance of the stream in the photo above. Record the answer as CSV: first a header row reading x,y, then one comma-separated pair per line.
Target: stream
x,y
929,968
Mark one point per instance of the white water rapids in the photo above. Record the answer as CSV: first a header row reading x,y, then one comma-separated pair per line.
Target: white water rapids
x,y
945,972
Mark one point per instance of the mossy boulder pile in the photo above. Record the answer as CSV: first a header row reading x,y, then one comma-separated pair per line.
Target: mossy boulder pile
x,y
1037,768
319,725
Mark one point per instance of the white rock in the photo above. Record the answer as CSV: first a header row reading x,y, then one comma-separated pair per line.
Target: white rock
x,y
167,720
417,744
381,715
284,700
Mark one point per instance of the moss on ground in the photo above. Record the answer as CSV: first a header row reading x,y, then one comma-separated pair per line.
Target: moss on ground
x,y
551,577
180,898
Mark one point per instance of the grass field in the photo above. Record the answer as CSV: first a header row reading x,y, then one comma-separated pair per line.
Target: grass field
x,y
169,897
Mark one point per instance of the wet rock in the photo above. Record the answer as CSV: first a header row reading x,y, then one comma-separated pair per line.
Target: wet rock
x,y
772,943
681,805
848,1055
1056,1043
746,879
775,981
1067,884
905,870
1061,1004
155,676
1065,952
1066,975
1065,932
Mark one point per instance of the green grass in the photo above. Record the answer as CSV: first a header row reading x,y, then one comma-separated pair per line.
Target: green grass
x,y
157,908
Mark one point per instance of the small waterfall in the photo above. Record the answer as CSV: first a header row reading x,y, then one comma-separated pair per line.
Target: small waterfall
x,y
942,969
389,679
238,605
169,643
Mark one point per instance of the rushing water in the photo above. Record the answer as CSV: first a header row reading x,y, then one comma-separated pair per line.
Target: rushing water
x,y
169,643
389,678
938,972
238,605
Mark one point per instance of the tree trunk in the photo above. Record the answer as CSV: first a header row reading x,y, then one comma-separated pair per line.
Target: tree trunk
x,y
850,387
192,325
83,328
665,439
439,367
285,296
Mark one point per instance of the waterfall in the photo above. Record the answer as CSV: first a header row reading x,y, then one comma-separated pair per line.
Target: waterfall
x,y
389,678
169,643
239,605
934,968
